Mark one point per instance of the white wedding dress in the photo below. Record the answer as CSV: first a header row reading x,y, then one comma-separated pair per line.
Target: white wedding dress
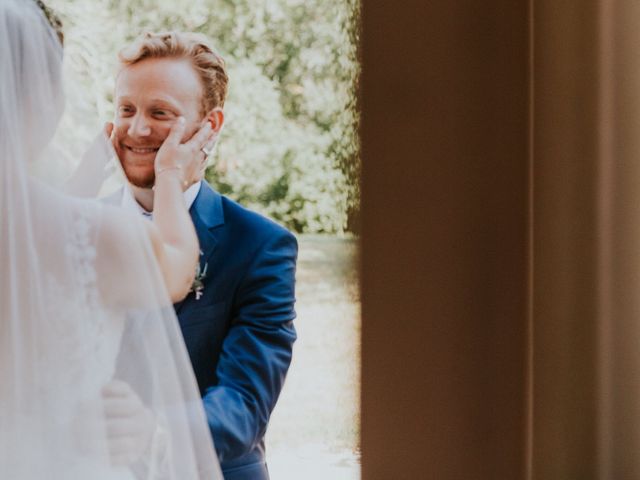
x,y
82,301
74,358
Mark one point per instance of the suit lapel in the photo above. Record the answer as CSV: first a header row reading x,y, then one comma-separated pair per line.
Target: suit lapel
x,y
207,215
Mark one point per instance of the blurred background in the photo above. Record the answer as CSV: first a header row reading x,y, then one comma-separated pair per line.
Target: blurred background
x,y
289,150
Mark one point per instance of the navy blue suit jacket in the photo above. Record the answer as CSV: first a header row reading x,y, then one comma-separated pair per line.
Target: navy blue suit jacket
x,y
240,332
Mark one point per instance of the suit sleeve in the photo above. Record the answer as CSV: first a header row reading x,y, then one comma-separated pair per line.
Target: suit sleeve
x,y
256,352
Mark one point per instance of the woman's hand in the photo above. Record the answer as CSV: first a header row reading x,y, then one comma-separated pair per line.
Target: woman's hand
x,y
186,159
130,425
95,166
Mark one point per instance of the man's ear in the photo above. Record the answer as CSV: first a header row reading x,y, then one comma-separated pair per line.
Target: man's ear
x,y
216,118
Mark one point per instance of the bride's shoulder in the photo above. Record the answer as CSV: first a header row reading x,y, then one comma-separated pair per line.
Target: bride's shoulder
x,y
109,221
120,227
114,229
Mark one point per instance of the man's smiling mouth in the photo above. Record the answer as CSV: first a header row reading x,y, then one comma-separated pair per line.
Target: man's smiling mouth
x,y
140,150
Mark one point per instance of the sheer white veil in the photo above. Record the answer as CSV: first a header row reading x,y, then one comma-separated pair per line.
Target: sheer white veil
x,y
82,301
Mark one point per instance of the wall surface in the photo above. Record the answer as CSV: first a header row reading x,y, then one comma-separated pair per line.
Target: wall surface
x,y
445,239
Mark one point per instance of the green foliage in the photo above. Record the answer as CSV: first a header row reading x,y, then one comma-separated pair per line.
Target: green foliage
x,y
289,147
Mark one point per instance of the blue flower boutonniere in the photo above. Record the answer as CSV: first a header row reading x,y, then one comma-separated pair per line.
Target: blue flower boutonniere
x,y
198,283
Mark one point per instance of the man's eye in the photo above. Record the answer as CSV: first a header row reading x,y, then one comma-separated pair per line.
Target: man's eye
x,y
125,110
160,113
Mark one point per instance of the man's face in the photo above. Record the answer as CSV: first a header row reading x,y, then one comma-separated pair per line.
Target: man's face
x,y
150,96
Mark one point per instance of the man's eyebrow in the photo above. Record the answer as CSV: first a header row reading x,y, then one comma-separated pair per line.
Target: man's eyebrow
x,y
162,102
153,102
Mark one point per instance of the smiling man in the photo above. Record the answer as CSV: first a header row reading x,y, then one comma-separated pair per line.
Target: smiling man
x,y
238,320
156,86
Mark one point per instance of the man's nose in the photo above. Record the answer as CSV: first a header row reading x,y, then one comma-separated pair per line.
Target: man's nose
x,y
139,127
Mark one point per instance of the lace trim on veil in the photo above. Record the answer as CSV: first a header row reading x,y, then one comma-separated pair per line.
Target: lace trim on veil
x,y
76,319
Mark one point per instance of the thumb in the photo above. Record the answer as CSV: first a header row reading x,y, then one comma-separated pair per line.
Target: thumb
x,y
108,129
176,133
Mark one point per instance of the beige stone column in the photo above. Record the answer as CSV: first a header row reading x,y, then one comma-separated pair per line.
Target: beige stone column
x,y
586,320
444,239
567,252
501,240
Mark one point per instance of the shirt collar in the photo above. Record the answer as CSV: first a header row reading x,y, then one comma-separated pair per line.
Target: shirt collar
x,y
129,202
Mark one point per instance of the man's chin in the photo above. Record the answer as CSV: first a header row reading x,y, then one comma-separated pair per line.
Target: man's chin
x,y
139,173
141,181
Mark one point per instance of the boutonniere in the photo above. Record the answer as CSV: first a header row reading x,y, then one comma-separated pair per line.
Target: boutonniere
x,y
198,283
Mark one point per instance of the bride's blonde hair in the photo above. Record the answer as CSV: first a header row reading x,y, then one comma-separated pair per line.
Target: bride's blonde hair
x,y
53,19
195,47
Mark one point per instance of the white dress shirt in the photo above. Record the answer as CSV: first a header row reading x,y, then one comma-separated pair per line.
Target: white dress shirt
x,y
129,202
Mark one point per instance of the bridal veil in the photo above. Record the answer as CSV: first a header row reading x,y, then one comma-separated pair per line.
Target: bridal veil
x,y
82,301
